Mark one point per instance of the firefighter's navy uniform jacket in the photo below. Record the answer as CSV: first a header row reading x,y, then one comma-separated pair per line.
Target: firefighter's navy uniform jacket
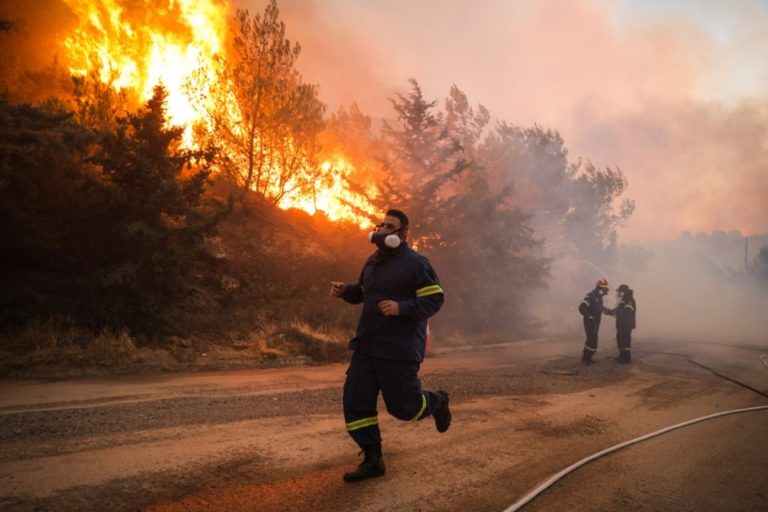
x,y
625,312
388,350
591,308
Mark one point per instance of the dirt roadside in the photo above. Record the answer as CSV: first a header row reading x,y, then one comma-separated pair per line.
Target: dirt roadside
x,y
274,439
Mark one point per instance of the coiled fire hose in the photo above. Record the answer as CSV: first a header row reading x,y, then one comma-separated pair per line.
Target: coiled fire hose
x,y
543,487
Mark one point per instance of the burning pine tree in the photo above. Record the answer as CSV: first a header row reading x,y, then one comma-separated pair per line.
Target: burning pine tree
x,y
231,83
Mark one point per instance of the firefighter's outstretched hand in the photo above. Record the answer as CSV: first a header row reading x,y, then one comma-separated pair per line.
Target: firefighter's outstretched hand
x,y
337,288
389,308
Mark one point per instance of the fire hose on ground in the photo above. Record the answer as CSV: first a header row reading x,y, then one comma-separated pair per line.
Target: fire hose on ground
x,y
543,487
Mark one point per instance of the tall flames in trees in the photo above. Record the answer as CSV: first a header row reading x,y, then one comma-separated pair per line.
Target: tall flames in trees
x,y
231,81
137,45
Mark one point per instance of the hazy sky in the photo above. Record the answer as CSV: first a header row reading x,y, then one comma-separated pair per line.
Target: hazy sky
x,y
674,93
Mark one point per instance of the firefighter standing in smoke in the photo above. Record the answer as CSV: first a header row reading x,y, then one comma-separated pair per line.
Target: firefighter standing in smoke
x,y
591,308
625,321
399,291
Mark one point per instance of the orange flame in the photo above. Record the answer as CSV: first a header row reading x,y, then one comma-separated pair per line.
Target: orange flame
x,y
334,199
135,44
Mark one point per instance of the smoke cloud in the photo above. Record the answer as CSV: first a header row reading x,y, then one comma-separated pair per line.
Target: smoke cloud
x,y
668,96
683,291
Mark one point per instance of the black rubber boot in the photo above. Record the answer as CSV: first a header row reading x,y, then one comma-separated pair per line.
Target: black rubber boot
x,y
442,412
371,467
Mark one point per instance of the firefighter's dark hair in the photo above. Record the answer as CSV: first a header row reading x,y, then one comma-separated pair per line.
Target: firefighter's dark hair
x,y
400,215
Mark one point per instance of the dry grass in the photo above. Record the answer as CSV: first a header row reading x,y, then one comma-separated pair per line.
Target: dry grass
x,y
60,347
59,341
322,344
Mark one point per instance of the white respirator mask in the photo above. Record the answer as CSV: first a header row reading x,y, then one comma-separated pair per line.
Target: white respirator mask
x,y
382,241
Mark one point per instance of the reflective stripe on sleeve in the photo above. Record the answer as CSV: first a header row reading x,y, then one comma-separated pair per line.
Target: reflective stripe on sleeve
x,y
429,290
629,306
362,423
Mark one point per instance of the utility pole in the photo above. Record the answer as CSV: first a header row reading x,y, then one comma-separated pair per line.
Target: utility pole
x,y
746,251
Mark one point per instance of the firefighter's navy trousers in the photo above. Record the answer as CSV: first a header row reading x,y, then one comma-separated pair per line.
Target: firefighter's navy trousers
x,y
400,386
591,327
624,341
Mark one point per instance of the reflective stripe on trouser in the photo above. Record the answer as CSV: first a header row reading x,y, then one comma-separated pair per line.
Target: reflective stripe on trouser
x,y
399,384
362,423
591,328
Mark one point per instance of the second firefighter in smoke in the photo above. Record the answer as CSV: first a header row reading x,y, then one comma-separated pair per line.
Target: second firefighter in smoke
x,y
625,313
